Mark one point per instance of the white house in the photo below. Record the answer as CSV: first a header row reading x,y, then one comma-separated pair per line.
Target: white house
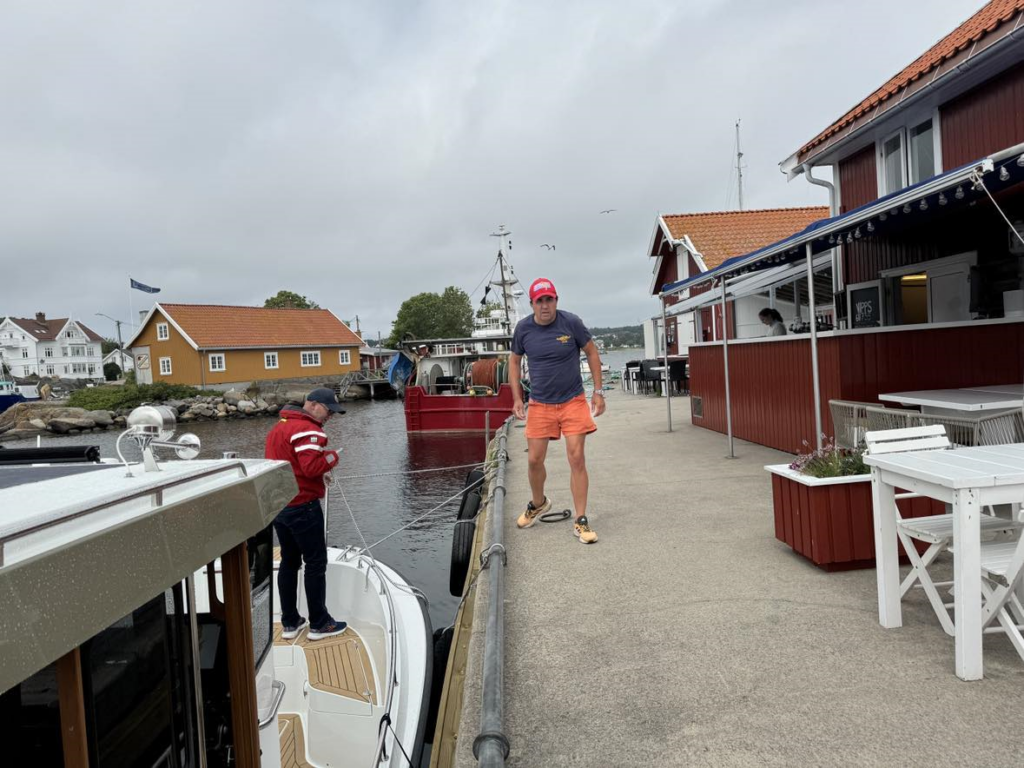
x,y
121,359
61,347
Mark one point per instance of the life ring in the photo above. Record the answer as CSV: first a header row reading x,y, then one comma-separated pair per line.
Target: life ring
x,y
462,551
442,647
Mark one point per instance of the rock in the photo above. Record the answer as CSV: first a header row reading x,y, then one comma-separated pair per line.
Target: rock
x,y
218,401
102,418
120,421
38,410
188,416
222,414
71,425
262,404
246,406
232,409
222,408
20,434
272,410
232,397
37,424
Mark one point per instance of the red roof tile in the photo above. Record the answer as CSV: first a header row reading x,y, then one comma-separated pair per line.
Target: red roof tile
x,y
994,15
720,235
47,330
220,327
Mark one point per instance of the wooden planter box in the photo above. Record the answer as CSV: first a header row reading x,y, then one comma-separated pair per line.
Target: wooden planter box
x,y
829,520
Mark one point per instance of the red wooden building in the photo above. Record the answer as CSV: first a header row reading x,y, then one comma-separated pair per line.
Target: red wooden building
x,y
924,249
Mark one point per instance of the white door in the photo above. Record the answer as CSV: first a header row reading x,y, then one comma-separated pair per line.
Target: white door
x,y
143,368
949,294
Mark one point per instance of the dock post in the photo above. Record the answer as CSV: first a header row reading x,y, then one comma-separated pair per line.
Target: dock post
x,y
725,364
487,431
815,379
668,392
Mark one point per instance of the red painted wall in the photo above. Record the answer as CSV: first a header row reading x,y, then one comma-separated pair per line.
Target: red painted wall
x,y
858,181
772,390
985,120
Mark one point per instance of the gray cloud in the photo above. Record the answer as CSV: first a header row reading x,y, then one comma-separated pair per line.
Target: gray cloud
x,y
360,153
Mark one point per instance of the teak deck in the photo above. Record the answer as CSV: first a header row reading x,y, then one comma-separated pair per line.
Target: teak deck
x,y
338,665
293,742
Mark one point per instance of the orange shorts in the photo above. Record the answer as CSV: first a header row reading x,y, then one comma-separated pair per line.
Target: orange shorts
x,y
554,420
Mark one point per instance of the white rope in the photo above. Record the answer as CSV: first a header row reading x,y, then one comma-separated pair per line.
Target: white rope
x,y
413,471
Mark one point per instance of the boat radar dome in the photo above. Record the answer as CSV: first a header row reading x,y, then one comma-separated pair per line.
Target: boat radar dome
x,y
152,426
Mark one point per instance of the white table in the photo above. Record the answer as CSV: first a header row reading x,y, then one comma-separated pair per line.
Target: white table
x,y
1005,389
969,479
957,400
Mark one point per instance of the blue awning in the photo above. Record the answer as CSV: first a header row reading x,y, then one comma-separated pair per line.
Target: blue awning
x,y
952,187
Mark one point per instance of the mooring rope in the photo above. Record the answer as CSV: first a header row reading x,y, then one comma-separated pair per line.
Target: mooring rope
x,y
412,471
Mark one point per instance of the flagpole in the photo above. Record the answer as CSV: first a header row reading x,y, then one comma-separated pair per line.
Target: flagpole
x,y
131,311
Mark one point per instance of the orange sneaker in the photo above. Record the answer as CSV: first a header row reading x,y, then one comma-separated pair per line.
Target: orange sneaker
x,y
582,530
529,517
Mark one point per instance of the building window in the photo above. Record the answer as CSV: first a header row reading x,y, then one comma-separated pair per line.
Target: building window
x,y
270,360
48,352
49,370
63,351
163,333
921,140
92,369
344,357
217,363
79,368
24,353
311,359
165,366
892,164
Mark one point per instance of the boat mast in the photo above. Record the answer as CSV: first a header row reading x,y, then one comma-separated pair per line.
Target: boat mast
x,y
508,279
739,164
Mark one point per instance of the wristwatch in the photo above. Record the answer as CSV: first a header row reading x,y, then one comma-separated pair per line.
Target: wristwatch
x,y
598,393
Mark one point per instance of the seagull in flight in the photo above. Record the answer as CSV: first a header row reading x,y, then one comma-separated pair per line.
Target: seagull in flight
x,y
609,210
549,247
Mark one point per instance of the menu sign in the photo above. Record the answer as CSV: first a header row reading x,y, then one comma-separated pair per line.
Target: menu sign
x,y
866,306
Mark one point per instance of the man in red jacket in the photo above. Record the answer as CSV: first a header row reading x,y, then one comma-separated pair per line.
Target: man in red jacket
x,y
299,439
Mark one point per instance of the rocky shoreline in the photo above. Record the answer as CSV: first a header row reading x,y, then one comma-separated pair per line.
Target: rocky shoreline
x,y
32,419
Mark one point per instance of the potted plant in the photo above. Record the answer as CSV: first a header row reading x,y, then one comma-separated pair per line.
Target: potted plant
x,y
823,508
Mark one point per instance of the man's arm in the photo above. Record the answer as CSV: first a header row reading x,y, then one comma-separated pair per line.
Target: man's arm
x,y
594,361
515,367
314,457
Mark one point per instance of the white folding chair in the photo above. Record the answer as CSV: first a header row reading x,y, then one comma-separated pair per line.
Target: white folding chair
x,y
1002,571
934,530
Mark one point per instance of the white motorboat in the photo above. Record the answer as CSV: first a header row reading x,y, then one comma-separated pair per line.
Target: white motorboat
x,y
137,622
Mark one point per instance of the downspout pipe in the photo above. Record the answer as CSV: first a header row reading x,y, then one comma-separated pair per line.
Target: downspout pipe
x,y
838,280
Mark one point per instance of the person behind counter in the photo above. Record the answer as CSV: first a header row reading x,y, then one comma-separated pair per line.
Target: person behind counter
x,y
773,320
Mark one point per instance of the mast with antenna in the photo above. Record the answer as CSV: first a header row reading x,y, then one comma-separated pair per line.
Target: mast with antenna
x,y
507,279
739,164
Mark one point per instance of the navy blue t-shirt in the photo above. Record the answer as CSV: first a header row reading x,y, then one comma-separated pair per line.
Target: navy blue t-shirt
x,y
554,354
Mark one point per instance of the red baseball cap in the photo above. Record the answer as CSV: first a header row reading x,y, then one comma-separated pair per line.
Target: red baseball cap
x,y
542,287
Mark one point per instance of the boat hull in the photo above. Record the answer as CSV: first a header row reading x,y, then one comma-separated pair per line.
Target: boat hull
x,y
456,413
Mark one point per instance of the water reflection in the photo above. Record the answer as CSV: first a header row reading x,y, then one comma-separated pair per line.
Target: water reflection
x,y
374,447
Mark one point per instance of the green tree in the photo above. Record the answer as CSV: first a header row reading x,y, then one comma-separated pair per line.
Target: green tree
x,y
109,345
487,308
111,371
433,316
289,300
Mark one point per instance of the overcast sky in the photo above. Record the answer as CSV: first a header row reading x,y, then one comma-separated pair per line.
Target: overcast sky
x,y
362,152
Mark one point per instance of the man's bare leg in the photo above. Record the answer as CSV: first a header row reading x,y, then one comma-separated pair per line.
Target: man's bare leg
x,y
538,451
579,480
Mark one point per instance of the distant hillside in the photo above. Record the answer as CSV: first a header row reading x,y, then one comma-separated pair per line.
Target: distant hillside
x,y
624,336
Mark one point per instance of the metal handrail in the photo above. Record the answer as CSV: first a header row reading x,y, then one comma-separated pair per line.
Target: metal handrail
x,y
491,746
156,493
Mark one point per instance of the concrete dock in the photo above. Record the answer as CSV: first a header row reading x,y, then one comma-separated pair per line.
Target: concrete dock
x,y
688,635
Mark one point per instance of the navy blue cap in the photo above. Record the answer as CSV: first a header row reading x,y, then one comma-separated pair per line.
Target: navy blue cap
x,y
325,396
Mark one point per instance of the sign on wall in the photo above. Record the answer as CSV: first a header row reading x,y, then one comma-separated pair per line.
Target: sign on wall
x,y
865,305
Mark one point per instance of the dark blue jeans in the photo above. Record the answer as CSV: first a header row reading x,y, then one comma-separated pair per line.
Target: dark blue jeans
x,y
300,532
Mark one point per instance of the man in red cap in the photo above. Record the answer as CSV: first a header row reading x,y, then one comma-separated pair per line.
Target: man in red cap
x,y
552,340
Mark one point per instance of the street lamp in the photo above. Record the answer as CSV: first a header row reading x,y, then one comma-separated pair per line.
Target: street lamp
x,y
118,323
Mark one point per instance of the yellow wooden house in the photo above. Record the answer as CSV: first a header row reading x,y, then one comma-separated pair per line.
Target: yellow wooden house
x,y
219,346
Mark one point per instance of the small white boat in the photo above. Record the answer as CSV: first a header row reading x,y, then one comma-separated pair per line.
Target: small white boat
x,y
138,613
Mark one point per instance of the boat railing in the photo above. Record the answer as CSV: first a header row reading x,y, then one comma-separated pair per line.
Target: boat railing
x,y
491,746
156,494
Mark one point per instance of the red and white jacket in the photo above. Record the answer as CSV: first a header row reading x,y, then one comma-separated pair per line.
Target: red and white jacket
x,y
300,439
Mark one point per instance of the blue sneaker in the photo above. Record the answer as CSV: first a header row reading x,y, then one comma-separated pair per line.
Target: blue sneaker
x,y
330,629
290,633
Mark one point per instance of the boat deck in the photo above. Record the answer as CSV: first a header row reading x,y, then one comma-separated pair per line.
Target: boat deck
x,y
688,635
293,742
338,665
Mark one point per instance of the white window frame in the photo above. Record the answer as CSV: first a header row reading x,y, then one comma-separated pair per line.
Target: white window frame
x,y
266,361
344,357
169,370
960,262
48,352
223,362
50,370
311,353
163,332
901,134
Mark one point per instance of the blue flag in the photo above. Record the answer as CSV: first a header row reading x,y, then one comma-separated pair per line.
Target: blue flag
x,y
144,288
